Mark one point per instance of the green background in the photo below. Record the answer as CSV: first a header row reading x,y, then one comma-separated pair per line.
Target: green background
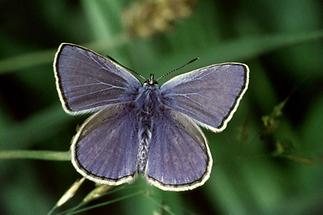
x,y
271,166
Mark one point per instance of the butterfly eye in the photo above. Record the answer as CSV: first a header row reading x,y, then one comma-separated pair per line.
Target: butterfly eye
x,y
151,81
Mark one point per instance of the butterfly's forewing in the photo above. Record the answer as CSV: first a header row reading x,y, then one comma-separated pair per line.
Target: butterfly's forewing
x,y
209,95
87,81
179,157
105,147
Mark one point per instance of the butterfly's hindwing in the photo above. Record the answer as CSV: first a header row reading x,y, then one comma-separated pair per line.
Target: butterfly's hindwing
x,y
179,157
105,148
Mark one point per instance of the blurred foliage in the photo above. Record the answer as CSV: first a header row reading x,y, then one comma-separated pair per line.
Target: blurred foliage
x,y
146,18
268,160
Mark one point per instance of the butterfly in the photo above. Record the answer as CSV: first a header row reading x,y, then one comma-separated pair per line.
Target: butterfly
x,y
141,127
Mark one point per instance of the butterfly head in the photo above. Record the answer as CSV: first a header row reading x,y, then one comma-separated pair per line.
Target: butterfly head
x,y
151,81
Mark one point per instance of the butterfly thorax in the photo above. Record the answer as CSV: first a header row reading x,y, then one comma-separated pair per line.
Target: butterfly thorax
x,y
147,103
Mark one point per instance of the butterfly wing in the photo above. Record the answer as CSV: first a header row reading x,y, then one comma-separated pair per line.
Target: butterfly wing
x,y
87,81
209,95
105,147
178,157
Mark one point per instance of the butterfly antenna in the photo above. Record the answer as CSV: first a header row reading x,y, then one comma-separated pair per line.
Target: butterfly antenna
x,y
168,73
133,72
139,75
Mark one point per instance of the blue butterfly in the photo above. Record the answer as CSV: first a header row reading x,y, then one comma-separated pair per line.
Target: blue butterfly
x,y
144,128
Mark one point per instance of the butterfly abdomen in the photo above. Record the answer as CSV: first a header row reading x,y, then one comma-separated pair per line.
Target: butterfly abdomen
x,y
144,136
146,103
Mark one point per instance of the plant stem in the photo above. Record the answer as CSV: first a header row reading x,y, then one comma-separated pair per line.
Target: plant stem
x,y
35,154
